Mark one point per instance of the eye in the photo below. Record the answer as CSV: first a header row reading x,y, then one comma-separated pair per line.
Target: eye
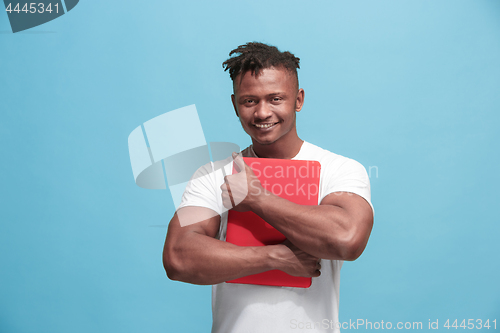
x,y
276,99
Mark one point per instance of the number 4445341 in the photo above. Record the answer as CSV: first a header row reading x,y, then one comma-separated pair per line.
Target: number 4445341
x,y
471,324
33,8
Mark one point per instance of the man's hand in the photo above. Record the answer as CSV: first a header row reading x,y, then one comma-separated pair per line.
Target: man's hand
x,y
297,262
243,189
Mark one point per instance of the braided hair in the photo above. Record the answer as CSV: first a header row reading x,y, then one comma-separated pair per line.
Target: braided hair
x,y
254,56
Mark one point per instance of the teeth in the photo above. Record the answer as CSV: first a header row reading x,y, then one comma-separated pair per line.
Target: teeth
x,y
263,125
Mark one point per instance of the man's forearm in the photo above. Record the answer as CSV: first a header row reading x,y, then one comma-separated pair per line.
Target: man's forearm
x,y
324,231
200,259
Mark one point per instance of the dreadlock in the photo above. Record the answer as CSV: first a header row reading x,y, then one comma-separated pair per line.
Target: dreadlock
x,y
254,56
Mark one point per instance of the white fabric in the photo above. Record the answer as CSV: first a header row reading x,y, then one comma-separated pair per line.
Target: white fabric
x,y
250,308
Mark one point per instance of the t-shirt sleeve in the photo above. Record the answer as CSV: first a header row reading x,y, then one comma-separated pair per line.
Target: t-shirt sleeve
x,y
202,189
349,176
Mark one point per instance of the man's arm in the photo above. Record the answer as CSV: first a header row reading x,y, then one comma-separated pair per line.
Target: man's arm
x,y
192,254
338,228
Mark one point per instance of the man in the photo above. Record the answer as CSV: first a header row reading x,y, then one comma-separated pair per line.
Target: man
x,y
266,98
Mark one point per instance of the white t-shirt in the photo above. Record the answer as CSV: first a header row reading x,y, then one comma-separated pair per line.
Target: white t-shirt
x,y
242,308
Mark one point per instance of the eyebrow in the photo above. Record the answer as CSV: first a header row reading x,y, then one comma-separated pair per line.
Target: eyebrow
x,y
272,94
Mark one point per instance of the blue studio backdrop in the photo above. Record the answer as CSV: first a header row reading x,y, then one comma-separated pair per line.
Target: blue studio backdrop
x,y
407,88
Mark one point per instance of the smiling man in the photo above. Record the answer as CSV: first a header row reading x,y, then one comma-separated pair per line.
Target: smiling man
x,y
319,238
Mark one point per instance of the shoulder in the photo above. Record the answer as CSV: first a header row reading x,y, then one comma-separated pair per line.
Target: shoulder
x,y
213,170
341,167
339,173
203,189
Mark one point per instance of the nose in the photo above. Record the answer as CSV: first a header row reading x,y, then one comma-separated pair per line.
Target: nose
x,y
262,111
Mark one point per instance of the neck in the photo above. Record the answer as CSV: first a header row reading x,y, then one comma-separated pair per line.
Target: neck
x,y
284,149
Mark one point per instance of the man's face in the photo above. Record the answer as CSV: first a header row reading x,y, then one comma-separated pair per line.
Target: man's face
x,y
266,104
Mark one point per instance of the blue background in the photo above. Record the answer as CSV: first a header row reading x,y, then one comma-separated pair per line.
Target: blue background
x,y
407,88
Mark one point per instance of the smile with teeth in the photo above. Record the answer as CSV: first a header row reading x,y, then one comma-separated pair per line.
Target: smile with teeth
x,y
264,125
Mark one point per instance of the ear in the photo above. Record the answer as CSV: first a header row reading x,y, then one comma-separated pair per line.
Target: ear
x,y
299,100
234,105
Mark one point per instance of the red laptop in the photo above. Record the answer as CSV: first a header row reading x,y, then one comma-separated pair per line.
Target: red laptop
x,y
294,180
